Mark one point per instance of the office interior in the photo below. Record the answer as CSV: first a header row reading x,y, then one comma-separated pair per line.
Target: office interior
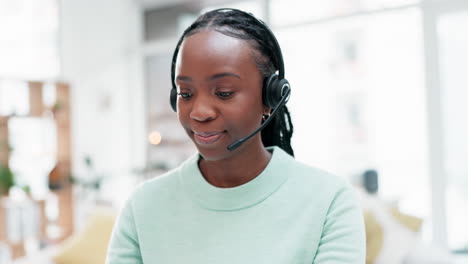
x,y
379,91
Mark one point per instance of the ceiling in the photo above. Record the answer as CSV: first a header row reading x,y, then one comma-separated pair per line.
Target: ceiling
x,y
155,4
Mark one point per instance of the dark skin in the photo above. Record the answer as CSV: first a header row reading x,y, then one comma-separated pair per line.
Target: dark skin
x,y
219,102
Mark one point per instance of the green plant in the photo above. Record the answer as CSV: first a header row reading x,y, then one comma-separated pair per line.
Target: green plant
x,y
7,180
26,189
57,106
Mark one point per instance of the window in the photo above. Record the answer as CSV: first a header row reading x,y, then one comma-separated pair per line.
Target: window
x,y
361,79
298,11
358,68
29,39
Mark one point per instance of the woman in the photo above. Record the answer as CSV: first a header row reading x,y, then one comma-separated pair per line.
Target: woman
x,y
247,202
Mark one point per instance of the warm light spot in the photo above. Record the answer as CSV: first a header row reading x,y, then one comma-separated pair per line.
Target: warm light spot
x,y
154,138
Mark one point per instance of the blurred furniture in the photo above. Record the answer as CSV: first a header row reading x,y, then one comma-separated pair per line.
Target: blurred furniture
x,y
88,245
61,115
21,220
58,180
393,237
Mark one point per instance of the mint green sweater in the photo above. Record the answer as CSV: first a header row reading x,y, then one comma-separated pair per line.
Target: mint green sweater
x,y
290,213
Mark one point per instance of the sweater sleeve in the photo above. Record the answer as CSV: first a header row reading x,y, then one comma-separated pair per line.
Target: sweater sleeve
x,y
124,246
343,235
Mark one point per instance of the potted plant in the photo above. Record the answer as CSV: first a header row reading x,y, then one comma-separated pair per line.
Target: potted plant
x,y
7,180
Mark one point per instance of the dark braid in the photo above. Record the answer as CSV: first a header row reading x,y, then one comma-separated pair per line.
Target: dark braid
x,y
239,25
279,131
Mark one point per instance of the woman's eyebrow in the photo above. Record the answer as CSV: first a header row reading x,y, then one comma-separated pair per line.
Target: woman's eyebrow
x,y
183,78
211,78
223,74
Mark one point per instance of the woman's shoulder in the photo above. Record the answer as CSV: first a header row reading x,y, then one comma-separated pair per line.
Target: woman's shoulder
x,y
166,183
315,180
157,186
318,175
302,176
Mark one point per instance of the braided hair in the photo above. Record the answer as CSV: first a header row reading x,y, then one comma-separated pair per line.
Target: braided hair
x,y
238,24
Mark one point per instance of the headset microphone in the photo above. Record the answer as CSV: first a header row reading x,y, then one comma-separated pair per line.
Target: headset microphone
x,y
280,104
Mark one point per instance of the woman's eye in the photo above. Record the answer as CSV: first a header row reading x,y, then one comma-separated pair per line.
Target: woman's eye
x,y
224,95
185,95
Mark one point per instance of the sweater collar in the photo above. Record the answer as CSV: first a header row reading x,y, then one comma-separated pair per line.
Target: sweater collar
x,y
248,194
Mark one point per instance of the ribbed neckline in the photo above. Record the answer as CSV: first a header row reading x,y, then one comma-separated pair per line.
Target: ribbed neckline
x,y
239,197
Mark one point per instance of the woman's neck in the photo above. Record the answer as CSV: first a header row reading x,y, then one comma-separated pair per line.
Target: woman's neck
x,y
235,170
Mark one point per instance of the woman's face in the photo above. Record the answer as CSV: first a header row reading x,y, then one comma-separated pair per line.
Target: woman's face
x,y
220,91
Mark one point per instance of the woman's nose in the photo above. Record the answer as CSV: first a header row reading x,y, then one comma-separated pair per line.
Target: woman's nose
x,y
202,109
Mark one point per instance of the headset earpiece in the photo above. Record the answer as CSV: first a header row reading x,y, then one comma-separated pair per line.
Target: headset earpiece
x,y
173,100
273,90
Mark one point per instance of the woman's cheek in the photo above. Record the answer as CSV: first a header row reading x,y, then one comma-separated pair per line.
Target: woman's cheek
x,y
183,116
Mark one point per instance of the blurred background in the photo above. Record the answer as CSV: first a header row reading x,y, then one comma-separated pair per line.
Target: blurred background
x,y
379,91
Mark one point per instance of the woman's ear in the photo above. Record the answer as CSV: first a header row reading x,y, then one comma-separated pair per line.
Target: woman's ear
x,y
266,111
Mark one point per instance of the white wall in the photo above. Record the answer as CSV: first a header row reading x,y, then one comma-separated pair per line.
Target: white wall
x,y
454,93
100,51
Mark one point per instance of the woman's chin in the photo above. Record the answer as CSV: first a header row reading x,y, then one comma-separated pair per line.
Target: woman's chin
x,y
213,154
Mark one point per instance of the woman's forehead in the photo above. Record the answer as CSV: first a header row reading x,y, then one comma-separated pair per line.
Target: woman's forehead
x,y
214,48
213,41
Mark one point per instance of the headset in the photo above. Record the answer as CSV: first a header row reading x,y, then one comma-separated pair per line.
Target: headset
x,y
276,89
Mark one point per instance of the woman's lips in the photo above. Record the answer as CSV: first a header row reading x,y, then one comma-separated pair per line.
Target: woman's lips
x,y
206,138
